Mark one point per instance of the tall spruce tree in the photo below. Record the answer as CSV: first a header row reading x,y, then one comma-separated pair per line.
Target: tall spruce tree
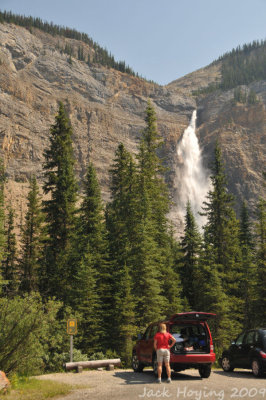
x,y
260,231
125,307
190,244
33,235
90,250
2,221
154,237
121,224
221,234
121,211
60,184
248,283
10,270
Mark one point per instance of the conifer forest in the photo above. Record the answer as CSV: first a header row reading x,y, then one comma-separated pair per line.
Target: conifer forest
x,y
117,267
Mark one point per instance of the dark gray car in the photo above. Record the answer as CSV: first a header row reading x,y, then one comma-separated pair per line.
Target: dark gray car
x,y
248,350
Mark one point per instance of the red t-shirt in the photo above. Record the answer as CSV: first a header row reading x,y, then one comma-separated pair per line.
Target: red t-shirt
x,y
162,340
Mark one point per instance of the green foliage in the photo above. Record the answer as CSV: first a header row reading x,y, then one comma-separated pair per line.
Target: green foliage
x,y
25,322
222,253
248,282
244,65
33,236
260,232
2,220
9,264
60,184
191,244
90,294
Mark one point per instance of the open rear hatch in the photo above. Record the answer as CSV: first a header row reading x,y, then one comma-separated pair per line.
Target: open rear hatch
x,y
192,316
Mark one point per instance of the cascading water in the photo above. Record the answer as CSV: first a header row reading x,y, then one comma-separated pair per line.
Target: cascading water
x,y
192,181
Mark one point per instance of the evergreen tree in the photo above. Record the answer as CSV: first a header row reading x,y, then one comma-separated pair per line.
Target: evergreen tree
x,y
248,267
125,308
121,223
90,249
221,234
10,272
152,232
32,240
261,263
2,220
121,211
60,185
86,304
191,243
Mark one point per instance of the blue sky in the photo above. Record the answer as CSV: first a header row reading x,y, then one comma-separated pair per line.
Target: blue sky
x,y
160,39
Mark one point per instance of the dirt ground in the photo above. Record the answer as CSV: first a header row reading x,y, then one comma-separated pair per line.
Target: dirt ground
x,y
127,385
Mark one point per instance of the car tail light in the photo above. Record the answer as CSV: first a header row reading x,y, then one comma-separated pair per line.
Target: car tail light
x,y
263,355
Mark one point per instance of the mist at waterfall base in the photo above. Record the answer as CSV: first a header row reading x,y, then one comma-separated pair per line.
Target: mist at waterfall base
x,y
192,181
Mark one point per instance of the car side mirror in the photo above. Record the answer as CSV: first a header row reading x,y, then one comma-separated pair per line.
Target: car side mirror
x,y
140,336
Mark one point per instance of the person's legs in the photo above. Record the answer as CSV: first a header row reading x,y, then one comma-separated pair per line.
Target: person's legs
x,y
160,370
167,365
168,369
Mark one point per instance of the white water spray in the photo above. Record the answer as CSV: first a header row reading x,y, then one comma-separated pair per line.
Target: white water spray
x,y
192,181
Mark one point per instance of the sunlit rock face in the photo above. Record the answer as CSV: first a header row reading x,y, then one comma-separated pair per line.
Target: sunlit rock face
x,y
107,107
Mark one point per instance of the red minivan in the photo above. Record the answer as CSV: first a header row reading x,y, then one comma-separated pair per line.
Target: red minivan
x,y
193,347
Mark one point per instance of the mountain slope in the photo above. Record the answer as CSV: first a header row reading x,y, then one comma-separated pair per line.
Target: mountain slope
x,y
107,107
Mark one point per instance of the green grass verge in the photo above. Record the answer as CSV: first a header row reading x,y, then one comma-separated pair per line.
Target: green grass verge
x,y
33,389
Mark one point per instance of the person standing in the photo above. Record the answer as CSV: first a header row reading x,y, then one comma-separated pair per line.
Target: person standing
x,y
162,346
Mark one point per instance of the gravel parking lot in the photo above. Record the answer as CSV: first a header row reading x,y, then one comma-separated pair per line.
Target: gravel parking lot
x,y
127,385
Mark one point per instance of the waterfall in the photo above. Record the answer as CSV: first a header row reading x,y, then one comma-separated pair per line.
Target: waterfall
x,y
192,179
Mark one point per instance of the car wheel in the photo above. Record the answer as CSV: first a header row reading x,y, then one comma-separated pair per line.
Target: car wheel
x,y
205,371
257,369
226,364
136,364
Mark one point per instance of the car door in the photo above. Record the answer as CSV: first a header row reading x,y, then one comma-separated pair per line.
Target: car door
x,y
150,342
247,348
236,351
142,345
146,344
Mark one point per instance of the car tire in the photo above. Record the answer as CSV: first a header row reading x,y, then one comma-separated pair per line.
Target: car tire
x,y
256,367
205,371
136,364
226,364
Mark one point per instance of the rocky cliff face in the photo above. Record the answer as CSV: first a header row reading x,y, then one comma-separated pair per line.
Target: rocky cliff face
x,y
107,107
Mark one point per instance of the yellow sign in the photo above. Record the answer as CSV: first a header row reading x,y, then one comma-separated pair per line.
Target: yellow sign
x,y
72,327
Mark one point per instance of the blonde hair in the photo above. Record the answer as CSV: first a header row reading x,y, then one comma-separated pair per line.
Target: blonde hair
x,y
162,328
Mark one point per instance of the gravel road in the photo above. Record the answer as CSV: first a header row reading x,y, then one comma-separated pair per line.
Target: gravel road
x,y
127,385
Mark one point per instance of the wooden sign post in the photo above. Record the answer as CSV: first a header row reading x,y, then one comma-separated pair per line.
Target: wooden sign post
x,y
72,329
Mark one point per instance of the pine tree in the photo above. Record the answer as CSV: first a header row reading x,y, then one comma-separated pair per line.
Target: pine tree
x,y
191,243
121,225
221,234
10,272
2,220
32,240
90,248
60,185
249,269
125,310
261,263
153,238
86,304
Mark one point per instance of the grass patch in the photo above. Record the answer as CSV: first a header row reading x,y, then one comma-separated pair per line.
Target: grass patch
x,y
33,389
